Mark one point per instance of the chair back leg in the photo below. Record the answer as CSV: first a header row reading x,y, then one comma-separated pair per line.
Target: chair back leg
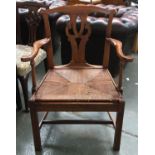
x,y
24,84
18,98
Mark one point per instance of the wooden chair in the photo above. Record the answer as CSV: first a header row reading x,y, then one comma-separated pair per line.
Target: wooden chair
x,y
32,19
77,86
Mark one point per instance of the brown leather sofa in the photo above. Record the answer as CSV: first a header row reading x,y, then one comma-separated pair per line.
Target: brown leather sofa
x,y
125,27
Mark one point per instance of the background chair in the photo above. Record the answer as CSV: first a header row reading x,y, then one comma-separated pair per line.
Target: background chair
x,y
77,86
32,20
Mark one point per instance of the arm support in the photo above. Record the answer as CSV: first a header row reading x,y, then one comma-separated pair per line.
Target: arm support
x,y
118,48
36,46
123,58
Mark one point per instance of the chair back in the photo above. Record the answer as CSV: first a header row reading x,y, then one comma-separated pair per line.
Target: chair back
x,y
78,29
29,12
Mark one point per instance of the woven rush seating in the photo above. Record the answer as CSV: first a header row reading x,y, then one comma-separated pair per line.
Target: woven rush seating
x,y
80,84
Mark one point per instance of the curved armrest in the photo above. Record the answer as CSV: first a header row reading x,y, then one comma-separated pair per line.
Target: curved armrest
x,y
118,46
36,45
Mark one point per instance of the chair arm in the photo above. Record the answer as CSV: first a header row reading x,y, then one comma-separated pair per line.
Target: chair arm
x,y
123,58
118,46
36,46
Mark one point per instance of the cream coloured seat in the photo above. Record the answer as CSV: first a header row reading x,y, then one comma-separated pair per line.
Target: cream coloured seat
x,y
24,68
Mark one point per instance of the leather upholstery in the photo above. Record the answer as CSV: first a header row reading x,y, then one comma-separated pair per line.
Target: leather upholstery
x,y
125,26
125,21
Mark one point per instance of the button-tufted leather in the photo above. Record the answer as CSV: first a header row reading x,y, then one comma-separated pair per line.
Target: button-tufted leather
x,y
125,26
125,21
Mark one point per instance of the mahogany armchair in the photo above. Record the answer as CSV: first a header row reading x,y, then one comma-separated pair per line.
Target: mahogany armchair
x,y
77,86
32,20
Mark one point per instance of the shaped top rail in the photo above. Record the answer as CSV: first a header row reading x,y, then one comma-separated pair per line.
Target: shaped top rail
x,y
75,9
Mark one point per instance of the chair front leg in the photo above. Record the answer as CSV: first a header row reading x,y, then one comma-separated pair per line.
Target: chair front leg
x,y
35,129
118,130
